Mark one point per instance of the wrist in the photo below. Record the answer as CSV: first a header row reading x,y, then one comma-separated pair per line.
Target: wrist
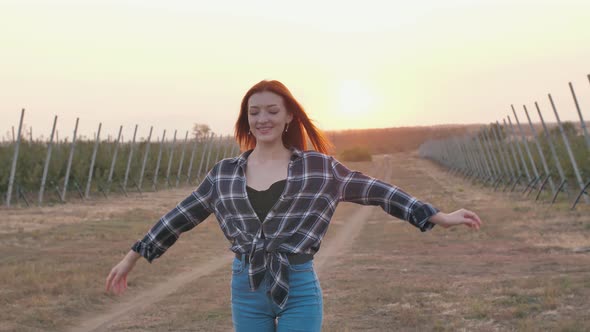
x,y
132,257
439,218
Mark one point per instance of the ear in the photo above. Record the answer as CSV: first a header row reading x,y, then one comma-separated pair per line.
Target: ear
x,y
289,117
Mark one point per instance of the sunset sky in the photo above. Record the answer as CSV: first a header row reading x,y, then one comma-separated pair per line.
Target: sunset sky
x,y
352,64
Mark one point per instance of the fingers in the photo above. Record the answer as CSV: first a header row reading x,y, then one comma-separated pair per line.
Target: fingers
x,y
113,285
475,225
463,217
109,281
117,288
473,220
124,283
116,283
473,215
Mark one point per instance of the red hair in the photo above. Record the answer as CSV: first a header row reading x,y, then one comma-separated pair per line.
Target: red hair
x,y
300,128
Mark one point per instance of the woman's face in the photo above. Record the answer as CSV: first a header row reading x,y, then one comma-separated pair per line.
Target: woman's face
x,y
267,117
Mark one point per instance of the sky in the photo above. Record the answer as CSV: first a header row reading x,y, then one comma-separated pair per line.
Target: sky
x,y
351,64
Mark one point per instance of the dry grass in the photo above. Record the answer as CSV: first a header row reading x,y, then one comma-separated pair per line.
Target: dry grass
x,y
520,272
51,276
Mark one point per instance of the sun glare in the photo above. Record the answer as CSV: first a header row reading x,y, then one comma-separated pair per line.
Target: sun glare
x,y
354,98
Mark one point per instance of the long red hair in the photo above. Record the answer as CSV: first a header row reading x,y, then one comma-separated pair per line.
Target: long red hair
x,y
300,128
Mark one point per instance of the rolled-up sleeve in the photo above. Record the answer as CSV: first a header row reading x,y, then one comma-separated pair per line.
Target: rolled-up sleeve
x,y
356,187
187,214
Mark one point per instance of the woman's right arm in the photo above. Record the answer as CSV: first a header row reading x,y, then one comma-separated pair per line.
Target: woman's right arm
x,y
117,279
186,215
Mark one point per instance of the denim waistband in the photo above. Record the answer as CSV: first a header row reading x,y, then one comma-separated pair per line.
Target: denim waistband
x,y
293,258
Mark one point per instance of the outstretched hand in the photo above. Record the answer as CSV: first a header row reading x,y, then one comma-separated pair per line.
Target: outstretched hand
x,y
117,279
459,217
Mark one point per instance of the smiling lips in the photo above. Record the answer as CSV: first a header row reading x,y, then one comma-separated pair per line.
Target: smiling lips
x,y
264,130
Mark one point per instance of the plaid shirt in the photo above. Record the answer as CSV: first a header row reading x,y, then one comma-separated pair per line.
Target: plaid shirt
x,y
296,223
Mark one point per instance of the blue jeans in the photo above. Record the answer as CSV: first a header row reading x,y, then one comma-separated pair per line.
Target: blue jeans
x,y
254,310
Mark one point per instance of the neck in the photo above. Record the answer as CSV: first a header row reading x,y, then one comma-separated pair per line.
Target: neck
x,y
265,152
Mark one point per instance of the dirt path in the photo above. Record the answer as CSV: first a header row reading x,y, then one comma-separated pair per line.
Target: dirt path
x,y
336,246
142,301
352,226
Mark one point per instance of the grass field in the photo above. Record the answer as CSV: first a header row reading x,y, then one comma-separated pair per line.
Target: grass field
x,y
527,269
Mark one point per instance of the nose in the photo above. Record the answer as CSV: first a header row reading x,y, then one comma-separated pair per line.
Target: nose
x,y
263,117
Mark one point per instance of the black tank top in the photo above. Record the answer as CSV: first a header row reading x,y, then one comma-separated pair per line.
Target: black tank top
x,y
263,200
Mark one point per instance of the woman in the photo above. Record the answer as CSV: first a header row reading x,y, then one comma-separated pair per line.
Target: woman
x,y
274,204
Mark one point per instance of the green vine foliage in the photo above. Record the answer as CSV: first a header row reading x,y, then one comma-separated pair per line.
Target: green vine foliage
x,y
32,156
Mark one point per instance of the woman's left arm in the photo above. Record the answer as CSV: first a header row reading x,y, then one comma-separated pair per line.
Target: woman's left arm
x,y
362,189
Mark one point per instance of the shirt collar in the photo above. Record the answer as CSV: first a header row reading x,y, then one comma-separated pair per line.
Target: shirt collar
x,y
242,159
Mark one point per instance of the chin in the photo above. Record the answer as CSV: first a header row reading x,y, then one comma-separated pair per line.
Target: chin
x,y
268,139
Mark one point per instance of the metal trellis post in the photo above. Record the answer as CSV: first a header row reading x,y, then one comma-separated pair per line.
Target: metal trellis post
x,y
155,181
14,158
145,157
91,169
70,159
47,160
114,160
129,158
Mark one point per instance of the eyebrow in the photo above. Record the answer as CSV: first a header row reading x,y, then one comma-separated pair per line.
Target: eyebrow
x,y
258,106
